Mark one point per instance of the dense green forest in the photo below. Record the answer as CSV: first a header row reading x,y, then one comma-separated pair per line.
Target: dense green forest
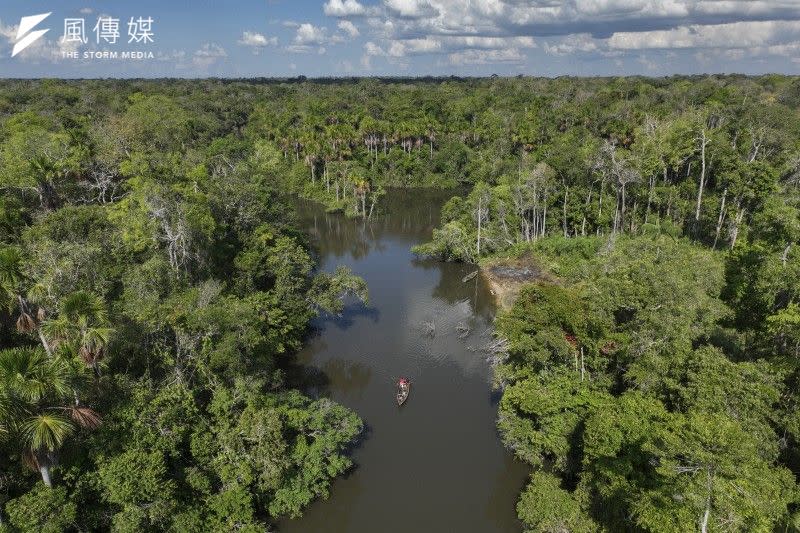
x,y
651,377
155,287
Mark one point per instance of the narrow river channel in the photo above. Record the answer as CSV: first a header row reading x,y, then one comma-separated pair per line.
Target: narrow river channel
x,y
436,464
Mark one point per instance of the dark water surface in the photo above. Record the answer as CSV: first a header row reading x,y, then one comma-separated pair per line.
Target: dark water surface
x,y
436,464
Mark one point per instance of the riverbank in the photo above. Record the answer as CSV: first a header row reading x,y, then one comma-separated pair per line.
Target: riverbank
x,y
506,276
437,460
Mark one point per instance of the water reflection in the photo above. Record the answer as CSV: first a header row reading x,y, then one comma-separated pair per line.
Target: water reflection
x,y
437,462
349,377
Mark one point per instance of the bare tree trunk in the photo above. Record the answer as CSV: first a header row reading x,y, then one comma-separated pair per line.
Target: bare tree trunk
x,y
535,211
23,308
364,205
721,218
703,144
480,217
707,512
44,470
669,204
566,191
600,200
737,221
704,520
586,210
544,217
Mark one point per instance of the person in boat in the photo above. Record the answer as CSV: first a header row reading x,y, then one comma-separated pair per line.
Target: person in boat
x,y
403,383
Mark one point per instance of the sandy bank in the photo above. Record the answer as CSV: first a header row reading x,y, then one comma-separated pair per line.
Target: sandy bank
x,y
506,277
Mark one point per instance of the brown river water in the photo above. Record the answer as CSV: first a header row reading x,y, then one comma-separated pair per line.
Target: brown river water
x,y
436,464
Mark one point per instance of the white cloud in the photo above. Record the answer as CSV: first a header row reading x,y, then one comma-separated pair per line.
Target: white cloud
x,y
579,42
733,35
208,54
176,56
343,8
9,32
257,41
483,31
489,43
485,57
349,28
309,34
414,46
412,8
372,49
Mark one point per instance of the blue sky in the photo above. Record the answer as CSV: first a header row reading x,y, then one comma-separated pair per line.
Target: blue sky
x,y
412,37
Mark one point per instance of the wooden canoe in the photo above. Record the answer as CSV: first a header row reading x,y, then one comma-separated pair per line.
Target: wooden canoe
x,y
402,392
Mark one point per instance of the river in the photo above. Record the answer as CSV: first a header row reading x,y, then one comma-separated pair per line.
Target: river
x,y
436,464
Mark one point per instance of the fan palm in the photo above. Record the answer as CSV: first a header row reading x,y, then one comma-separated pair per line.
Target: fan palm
x,y
82,327
35,405
4,414
12,278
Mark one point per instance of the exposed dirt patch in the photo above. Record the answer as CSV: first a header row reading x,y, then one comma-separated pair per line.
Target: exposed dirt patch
x,y
506,277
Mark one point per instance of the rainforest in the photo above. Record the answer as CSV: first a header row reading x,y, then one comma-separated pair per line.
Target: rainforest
x,y
184,263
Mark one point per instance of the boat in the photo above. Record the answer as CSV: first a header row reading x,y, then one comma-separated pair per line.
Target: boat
x,y
403,388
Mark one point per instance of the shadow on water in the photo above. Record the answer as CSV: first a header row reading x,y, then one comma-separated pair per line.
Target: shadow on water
x,y
437,462
348,316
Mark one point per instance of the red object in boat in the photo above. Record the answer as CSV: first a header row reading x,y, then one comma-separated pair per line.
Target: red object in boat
x,y
403,389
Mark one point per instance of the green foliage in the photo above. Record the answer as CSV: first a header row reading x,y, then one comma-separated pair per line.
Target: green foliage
x,y
43,509
546,507
144,233
149,263
636,403
137,482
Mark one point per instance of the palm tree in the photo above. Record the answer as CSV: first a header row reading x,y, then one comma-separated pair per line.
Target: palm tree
x,y
36,409
81,328
12,278
4,433
360,190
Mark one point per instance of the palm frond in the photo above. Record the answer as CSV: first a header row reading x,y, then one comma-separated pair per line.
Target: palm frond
x,y
25,323
85,417
29,374
85,305
46,432
11,275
